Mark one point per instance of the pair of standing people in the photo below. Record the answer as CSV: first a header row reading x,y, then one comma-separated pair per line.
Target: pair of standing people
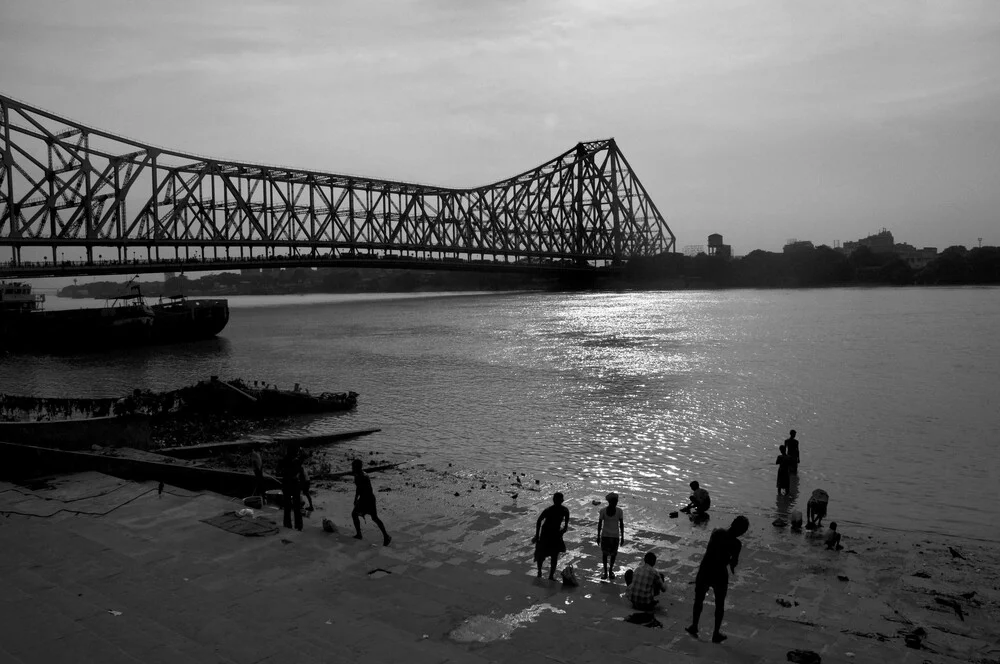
x,y
553,523
787,462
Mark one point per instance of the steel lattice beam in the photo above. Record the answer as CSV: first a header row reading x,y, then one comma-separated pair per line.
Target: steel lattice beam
x,y
66,185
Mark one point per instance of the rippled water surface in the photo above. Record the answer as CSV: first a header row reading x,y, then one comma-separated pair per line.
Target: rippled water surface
x,y
895,393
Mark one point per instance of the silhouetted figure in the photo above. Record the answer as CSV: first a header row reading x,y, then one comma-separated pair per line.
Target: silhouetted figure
x,y
833,538
291,486
364,502
699,500
645,584
792,448
816,509
610,533
784,476
552,524
258,472
723,551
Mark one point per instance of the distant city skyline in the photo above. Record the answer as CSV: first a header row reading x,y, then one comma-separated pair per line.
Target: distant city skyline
x,y
759,121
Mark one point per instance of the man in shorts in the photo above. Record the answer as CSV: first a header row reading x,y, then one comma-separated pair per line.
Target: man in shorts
x,y
364,502
723,552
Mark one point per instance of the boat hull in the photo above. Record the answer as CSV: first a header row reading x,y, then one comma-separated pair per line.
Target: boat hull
x,y
78,330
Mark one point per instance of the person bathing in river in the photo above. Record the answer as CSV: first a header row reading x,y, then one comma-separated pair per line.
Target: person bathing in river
x,y
699,501
610,533
833,538
364,502
784,477
792,448
552,524
816,509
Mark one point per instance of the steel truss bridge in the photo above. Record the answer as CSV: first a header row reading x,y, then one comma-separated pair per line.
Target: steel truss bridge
x,y
118,205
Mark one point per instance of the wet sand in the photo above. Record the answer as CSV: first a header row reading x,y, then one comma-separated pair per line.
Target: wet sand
x,y
149,581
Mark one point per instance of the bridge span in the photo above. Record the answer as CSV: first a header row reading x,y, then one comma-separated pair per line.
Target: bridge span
x,y
117,205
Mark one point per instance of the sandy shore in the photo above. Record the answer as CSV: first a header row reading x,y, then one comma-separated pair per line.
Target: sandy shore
x,y
457,583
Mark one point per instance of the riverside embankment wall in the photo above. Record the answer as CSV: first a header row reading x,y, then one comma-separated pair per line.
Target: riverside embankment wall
x,y
125,431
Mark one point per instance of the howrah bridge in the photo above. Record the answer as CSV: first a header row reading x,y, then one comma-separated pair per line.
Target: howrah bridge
x,y
117,205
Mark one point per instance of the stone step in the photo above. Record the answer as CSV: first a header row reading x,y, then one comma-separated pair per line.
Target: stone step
x,y
155,606
79,608
7,658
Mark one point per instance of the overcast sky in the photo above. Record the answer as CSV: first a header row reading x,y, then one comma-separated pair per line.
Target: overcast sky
x,y
762,120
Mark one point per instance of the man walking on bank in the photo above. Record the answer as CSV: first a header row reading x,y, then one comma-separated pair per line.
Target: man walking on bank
x,y
723,552
364,502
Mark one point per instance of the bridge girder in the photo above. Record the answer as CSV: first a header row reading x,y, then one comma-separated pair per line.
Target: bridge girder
x,y
63,184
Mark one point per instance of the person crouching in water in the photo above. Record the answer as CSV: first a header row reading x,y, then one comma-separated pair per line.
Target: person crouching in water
x,y
644,584
723,551
364,502
552,524
610,533
699,501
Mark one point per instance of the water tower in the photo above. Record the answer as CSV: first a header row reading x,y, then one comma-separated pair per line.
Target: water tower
x,y
717,248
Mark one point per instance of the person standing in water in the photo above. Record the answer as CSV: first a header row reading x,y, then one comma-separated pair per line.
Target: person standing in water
x,y
610,533
784,477
792,448
722,552
364,502
552,524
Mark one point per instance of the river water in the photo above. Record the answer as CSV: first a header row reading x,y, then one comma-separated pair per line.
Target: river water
x,y
895,392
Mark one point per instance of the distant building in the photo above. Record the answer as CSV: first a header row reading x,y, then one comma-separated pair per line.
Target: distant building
x,y
717,248
796,245
916,258
879,243
883,243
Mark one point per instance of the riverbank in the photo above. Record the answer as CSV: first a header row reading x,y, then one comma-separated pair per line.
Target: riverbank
x,y
148,580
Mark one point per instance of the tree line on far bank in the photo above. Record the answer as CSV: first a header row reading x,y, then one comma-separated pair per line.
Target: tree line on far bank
x,y
802,268
307,280
816,266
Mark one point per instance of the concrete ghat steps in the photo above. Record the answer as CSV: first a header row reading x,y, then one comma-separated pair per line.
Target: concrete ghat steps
x,y
60,589
151,606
